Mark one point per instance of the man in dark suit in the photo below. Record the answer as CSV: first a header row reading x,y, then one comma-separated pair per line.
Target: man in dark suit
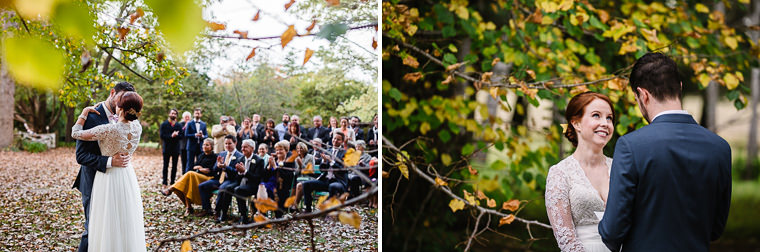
x,y
195,133
258,127
318,131
88,153
228,177
670,184
183,140
252,169
331,180
170,136
373,135
356,126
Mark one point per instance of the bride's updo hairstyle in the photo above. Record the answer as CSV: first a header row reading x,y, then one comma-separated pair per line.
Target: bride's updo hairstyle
x,y
576,108
131,103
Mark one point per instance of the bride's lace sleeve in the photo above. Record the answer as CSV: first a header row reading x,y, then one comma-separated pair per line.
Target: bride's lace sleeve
x,y
97,133
558,209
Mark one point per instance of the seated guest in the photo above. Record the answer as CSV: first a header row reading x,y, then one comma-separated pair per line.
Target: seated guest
x,y
263,153
270,136
219,131
228,176
358,132
347,132
252,170
293,131
245,132
304,158
207,188
333,177
354,181
186,187
183,140
279,186
316,151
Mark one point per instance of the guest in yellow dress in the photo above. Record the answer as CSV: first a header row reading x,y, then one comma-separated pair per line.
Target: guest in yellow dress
x,y
186,188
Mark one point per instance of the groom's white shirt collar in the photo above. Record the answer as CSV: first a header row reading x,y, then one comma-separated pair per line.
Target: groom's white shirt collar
x,y
676,111
108,112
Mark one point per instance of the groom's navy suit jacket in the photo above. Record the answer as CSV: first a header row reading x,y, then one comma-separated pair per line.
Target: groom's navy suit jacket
x,y
670,188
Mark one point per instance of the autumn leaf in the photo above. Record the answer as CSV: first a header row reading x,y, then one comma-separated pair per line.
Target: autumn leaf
x,y
243,34
329,203
122,33
34,61
160,57
454,66
250,55
290,201
412,77
440,182
186,246
321,199
494,61
506,219
256,18
731,81
411,61
374,43
137,14
404,170
511,205
258,217
456,204
387,175
309,169
472,170
216,26
333,2
292,157
447,80
494,91
470,198
287,5
486,77
265,205
311,27
491,203
307,56
531,73
704,79
351,218
287,36
351,158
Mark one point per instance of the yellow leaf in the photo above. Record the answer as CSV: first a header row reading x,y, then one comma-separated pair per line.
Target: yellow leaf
x,y
731,42
256,18
481,195
333,2
306,57
351,218
329,203
424,127
486,77
701,8
440,182
462,12
33,61
531,73
731,81
454,66
704,79
511,205
287,5
216,26
491,203
250,55
180,21
290,201
470,198
351,158
186,246
309,169
744,1
445,159
31,9
258,217
564,127
506,219
650,35
447,80
265,205
456,204
494,91
287,36
739,75
404,170
411,61
321,199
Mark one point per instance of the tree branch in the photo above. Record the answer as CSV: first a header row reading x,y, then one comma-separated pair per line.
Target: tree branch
x,y
125,65
278,36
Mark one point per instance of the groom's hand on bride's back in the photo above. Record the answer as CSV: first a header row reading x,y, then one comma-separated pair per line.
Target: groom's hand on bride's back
x,y
120,160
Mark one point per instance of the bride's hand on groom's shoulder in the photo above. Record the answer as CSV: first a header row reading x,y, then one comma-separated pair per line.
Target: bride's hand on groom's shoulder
x,y
87,110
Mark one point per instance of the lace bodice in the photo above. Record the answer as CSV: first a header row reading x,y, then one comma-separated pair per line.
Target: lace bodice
x,y
571,201
112,138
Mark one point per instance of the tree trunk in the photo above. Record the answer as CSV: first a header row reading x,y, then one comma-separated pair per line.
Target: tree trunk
x,y
752,140
70,120
7,89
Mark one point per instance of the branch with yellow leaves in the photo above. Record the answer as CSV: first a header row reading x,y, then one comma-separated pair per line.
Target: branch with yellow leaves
x,y
505,218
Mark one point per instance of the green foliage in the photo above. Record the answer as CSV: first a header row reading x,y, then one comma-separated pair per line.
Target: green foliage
x,y
180,21
743,221
33,61
33,147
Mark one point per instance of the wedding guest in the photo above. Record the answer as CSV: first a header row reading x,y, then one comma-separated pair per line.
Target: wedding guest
x,y
356,126
354,181
318,131
258,127
303,160
316,151
283,168
169,133
282,128
270,136
186,187
245,132
347,132
252,170
194,133
294,131
333,177
331,126
228,176
263,153
235,125
219,131
372,135
183,140
229,157
297,119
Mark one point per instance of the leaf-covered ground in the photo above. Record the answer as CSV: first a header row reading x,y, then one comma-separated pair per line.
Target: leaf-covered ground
x,y
40,211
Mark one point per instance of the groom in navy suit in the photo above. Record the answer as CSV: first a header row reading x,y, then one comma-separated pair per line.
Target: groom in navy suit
x,y
195,132
670,184
88,153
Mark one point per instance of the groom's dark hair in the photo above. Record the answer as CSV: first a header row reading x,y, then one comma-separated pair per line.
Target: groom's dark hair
x,y
658,74
123,86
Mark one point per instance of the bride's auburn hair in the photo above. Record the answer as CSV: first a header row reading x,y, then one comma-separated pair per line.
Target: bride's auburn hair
x,y
576,108
131,103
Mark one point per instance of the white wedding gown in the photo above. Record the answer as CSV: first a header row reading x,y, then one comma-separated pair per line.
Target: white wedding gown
x,y
571,201
116,210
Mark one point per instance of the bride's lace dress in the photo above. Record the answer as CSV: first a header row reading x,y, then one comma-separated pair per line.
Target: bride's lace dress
x,y
116,210
571,201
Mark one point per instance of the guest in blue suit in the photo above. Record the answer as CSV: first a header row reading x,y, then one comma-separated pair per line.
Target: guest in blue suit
x,y
228,176
670,184
195,132
88,153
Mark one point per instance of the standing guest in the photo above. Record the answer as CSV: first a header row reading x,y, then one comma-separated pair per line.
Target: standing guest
x,y
219,131
282,182
296,119
183,140
186,187
257,126
235,125
356,126
372,136
245,132
270,136
194,133
347,132
318,131
333,177
228,176
294,131
252,170
169,133
283,128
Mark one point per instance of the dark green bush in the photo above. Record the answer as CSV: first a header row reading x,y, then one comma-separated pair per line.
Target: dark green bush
x,y
743,219
33,147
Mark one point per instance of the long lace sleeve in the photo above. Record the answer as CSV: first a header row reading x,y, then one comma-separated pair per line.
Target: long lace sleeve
x,y
97,133
558,209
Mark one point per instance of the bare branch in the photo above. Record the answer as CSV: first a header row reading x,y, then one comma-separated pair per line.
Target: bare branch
x,y
278,36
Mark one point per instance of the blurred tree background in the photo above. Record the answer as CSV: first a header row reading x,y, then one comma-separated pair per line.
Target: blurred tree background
x,y
474,94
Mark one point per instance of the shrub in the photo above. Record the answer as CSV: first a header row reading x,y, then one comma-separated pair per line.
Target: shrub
x,y
33,147
743,220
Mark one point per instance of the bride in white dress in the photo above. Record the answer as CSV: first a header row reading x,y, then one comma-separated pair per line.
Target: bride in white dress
x,y
116,210
577,186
